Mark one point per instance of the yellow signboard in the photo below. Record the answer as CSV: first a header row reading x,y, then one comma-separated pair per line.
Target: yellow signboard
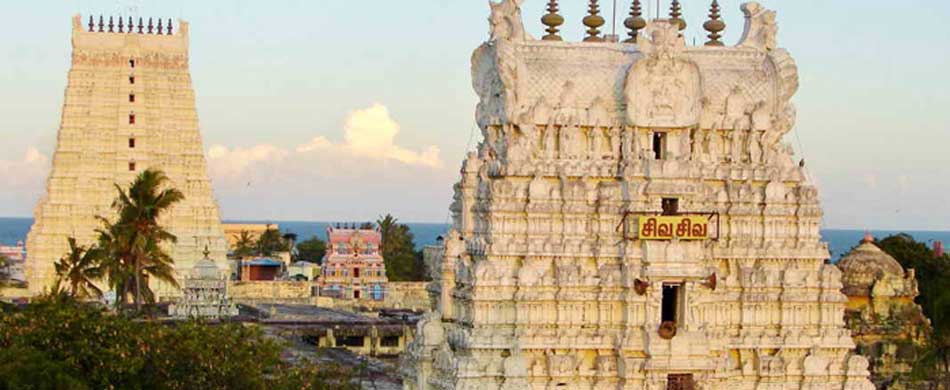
x,y
693,227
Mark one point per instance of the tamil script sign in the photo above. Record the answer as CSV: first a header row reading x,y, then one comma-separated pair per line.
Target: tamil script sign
x,y
693,227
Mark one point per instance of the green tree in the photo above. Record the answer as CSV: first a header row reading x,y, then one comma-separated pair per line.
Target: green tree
x,y
135,240
78,270
58,343
244,244
312,249
933,275
402,261
270,242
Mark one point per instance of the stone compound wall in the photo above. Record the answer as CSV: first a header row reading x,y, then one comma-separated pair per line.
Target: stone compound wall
x,y
270,292
93,149
545,281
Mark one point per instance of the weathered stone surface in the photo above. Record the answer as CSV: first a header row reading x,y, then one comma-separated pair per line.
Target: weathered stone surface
x,y
544,280
105,109
888,327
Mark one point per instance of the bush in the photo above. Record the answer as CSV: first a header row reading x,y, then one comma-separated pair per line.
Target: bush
x,y
60,344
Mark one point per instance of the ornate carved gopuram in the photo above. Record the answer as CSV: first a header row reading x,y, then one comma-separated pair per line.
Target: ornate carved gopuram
x,y
129,105
633,220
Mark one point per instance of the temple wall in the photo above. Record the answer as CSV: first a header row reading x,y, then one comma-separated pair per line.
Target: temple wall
x,y
95,151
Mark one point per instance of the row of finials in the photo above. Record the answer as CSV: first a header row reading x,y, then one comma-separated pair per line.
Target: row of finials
x,y
128,28
636,22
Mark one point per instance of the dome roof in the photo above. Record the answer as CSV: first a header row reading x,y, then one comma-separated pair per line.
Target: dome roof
x,y
206,269
865,265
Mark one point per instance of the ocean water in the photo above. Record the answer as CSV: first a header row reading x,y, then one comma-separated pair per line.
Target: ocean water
x,y
840,241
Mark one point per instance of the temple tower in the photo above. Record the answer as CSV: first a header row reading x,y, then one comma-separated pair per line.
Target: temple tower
x,y
129,106
633,220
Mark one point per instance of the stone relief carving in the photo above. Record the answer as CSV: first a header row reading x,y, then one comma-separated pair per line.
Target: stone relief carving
x,y
505,21
663,89
760,27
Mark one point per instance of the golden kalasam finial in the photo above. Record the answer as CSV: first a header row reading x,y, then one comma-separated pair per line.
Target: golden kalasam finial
x,y
169,32
714,25
160,32
593,21
91,24
131,25
121,26
552,20
635,22
140,25
111,25
101,25
150,26
676,13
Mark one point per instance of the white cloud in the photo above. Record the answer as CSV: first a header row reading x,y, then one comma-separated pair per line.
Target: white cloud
x,y
23,181
228,163
371,132
368,133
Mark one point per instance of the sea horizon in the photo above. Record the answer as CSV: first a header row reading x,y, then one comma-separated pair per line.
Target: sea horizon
x,y
840,240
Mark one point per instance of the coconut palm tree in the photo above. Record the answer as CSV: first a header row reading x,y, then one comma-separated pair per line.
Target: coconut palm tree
x,y
79,269
244,244
134,242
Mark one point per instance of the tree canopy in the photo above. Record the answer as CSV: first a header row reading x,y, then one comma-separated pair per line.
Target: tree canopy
x,y
933,277
57,343
312,249
403,262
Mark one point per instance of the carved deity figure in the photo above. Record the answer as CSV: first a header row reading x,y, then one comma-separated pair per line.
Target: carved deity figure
x,y
663,89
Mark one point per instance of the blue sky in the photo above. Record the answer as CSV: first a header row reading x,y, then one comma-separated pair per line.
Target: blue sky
x,y
277,78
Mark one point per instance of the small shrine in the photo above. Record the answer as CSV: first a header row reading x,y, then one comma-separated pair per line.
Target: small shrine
x,y
886,324
205,293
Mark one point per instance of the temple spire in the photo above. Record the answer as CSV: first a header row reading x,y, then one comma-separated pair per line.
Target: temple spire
x,y
593,21
635,22
714,25
552,20
676,13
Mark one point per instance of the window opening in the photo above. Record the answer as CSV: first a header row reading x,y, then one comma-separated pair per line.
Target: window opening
x,y
131,166
131,143
679,382
671,206
131,119
671,302
132,63
356,294
131,98
389,341
131,79
659,145
356,272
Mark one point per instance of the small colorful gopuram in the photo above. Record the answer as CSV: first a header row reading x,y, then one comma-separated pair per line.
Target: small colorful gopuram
x,y
632,219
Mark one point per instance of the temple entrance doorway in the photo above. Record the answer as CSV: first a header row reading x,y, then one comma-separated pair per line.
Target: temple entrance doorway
x,y
679,382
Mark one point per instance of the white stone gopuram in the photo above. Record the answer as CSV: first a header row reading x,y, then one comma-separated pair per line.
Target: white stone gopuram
x,y
633,220
129,105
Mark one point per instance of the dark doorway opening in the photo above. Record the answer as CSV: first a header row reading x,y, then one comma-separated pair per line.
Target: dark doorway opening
x,y
671,299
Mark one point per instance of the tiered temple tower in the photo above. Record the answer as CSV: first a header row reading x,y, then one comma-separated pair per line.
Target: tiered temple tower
x,y
633,220
129,106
